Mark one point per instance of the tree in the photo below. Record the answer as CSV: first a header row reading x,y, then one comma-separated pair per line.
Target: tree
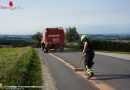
x,y
72,36
37,39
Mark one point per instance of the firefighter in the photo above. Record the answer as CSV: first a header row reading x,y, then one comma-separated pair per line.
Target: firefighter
x,y
88,54
42,45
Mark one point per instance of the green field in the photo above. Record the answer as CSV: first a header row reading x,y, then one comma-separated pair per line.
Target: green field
x,y
19,67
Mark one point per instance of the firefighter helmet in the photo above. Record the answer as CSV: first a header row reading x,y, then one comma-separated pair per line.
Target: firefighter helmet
x,y
83,37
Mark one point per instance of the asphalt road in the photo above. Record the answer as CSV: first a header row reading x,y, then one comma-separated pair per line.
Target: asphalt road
x,y
114,72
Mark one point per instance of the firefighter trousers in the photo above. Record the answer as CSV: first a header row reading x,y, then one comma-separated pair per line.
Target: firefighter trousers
x,y
88,60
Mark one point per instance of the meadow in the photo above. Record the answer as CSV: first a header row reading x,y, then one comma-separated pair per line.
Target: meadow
x,y
19,67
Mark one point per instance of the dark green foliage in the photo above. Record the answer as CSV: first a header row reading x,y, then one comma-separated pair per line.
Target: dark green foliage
x,y
111,45
72,37
15,43
37,39
71,34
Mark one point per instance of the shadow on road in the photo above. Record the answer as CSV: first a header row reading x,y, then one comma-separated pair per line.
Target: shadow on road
x,y
110,77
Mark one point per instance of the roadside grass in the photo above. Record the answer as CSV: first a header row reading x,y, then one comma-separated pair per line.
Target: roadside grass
x,y
19,67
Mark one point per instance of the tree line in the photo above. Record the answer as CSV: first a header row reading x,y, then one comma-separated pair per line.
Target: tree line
x,y
104,45
73,41
15,43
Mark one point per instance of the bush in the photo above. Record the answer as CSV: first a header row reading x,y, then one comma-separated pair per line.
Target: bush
x,y
111,45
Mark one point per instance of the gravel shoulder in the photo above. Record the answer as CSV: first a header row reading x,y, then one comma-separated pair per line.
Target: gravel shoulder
x,y
48,81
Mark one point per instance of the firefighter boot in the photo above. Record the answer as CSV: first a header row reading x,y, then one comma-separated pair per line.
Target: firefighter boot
x,y
89,73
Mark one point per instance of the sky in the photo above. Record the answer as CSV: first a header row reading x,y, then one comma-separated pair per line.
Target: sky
x,y
88,16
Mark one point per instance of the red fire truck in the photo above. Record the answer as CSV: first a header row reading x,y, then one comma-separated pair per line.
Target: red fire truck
x,y
53,38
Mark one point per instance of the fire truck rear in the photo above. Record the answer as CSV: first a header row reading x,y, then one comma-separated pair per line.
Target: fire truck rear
x,y
53,38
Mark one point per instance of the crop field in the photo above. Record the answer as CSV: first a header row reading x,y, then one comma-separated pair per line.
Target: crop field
x,y
19,67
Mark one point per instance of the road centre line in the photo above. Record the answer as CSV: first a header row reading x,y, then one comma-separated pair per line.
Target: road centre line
x,y
97,83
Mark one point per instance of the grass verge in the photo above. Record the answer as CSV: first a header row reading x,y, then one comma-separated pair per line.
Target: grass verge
x,y
19,67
